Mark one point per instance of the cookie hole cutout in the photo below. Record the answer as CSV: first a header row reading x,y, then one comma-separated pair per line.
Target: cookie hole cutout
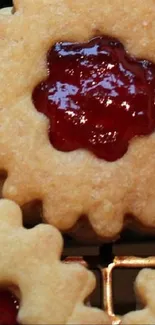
x,y
3,177
32,214
97,97
9,306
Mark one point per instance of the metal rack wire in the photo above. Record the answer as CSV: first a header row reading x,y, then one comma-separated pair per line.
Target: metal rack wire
x,y
115,266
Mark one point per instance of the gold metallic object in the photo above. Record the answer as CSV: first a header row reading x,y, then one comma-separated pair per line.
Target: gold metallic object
x,y
107,274
120,262
75,259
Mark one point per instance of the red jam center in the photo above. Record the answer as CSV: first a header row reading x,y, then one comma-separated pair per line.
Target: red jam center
x,y
9,306
96,97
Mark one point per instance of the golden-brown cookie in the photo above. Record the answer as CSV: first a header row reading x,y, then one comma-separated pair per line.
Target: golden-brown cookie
x,y
71,184
145,287
51,292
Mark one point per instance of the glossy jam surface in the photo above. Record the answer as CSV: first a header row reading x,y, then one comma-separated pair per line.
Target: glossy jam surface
x,y
96,97
9,306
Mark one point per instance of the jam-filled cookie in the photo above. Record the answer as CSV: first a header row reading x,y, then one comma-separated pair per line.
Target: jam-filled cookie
x,y
77,110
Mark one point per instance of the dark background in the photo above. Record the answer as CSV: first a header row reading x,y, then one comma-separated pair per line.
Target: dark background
x,y
5,3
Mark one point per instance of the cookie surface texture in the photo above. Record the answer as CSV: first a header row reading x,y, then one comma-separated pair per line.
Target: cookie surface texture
x,y
145,286
51,292
75,183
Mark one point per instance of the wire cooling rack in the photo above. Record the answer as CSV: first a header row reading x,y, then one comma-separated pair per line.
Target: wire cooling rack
x,y
115,267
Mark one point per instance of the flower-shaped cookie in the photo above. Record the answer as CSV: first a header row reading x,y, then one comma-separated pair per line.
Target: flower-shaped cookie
x,y
76,183
145,287
51,292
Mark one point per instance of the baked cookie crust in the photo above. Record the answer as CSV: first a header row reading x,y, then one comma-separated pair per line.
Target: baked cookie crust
x,y
144,286
75,183
50,291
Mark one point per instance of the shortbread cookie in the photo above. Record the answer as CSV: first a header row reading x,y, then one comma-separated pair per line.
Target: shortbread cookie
x,y
51,292
76,125
145,288
6,11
